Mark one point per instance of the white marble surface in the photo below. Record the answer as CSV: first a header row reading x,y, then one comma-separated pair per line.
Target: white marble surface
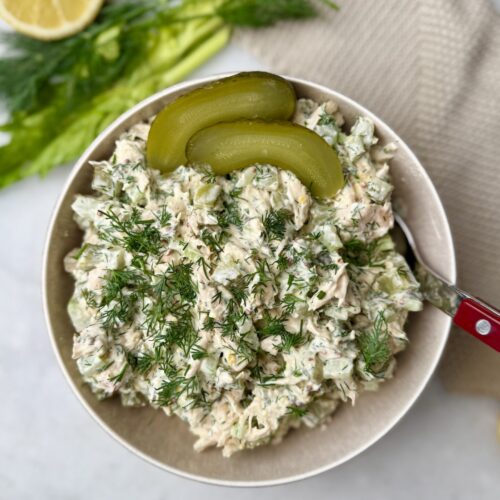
x,y
50,448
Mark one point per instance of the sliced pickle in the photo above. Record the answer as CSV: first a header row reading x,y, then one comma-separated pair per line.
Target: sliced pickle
x,y
236,145
245,95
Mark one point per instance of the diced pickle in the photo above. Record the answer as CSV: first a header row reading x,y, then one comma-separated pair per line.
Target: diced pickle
x,y
236,145
243,96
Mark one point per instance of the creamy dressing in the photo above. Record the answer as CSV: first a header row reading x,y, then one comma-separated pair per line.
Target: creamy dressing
x,y
241,304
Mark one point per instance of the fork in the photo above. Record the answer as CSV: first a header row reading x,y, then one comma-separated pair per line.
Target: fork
x,y
468,312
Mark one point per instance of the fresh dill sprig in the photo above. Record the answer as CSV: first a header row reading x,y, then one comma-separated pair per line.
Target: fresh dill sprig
x,y
137,235
144,362
264,274
164,217
90,298
117,280
326,119
290,302
180,332
205,266
119,298
171,390
258,13
80,66
375,346
245,349
180,281
282,262
230,215
213,241
209,323
239,288
275,222
119,376
230,326
275,326
198,352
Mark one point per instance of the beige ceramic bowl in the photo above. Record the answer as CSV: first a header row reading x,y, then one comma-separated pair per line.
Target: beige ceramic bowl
x,y
167,442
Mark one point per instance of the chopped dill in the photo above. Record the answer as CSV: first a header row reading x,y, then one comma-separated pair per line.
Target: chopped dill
x,y
213,241
275,222
198,352
119,377
230,215
290,302
375,346
145,362
327,119
164,217
139,235
359,254
81,251
282,262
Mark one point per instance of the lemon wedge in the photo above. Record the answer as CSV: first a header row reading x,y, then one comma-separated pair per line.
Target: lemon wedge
x,y
49,19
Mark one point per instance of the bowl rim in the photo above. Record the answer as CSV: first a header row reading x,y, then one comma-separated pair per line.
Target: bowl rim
x,y
82,161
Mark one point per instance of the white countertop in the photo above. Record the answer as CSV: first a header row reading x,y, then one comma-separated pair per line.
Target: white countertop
x,y
50,448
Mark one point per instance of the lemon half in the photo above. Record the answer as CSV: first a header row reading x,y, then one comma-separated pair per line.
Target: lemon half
x,y
49,19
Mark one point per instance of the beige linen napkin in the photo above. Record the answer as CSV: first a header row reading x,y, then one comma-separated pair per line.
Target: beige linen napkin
x,y
431,69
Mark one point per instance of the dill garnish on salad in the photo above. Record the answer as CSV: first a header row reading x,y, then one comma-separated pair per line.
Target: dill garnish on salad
x,y
245,302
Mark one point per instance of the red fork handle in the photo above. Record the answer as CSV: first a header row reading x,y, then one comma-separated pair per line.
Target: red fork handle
x,y
480,320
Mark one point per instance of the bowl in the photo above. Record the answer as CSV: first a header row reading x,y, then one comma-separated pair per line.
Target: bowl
x,y
166,441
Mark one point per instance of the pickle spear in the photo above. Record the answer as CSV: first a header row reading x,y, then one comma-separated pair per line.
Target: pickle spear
x,y
236,145
245,95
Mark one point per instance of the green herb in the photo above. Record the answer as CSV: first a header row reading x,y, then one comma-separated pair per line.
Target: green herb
x,y
198,353
290,302
207,269
292,340
81,251
326,119
274,222
119,299
139,236
209,323
239,288
230,215
180,281
145,362
179,333
231,324
282,262
264,12
245,350
62,94
297,411
264,273
164,217
119,377
361,254
208,175
170,392
90,298
274,326
375,346
117,281
213,241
